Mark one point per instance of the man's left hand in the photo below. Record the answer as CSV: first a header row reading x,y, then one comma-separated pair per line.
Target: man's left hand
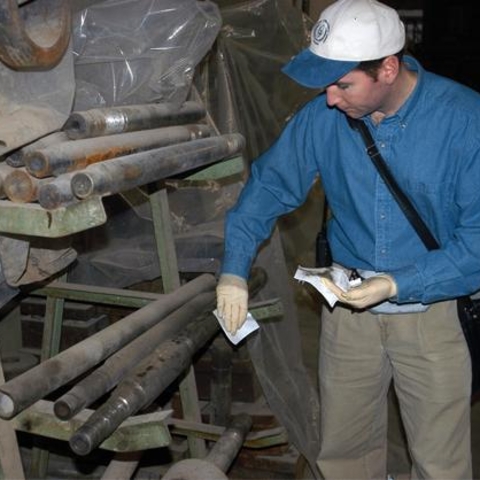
x,y
371,291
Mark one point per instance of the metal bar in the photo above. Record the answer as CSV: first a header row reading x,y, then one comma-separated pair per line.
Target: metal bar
x,y
113,120
258,440
167,258
124,173
144,384
150,378
52,334
34,384
107,376
96,294
221,382
17,158
223,453
137,433
21,187
122,467
78,154
21,45
10,459
220,457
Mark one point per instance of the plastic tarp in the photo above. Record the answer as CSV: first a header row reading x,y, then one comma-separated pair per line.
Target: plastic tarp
x,y
132,55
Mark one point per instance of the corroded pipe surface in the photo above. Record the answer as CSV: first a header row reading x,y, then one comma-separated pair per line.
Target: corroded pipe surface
x,y
34,36
20,187
32,385
57,193
73,155
131,171
220,457
223,453
5,170
152,376
107,376
107,121
17,158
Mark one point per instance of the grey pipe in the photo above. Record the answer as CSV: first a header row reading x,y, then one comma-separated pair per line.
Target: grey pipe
x,y
131,171
25,389
111,120
73,155
117,366
144,384
154,374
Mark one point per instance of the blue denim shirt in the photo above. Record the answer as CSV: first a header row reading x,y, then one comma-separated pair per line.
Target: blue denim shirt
x,y
432,146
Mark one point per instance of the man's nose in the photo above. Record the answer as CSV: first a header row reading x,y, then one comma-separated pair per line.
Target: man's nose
x,y
332,95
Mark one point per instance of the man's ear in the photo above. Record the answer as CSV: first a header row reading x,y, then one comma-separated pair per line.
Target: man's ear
x,y
390,69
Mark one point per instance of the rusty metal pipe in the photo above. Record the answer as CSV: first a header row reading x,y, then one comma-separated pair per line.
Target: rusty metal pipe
x,y
221,456
223,453
111,120
131,171
32,385
221,382
34,36
17,158
57,192
153,375
20,187
78,154
5,170
118,365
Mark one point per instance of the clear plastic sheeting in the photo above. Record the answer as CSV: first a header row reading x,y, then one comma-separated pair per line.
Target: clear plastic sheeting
x,y
241,84
242,81
140,51
246,92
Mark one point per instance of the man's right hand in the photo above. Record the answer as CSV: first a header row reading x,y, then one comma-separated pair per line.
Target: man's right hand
x,y
232,301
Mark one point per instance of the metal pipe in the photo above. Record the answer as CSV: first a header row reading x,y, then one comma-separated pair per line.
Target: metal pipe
x,y
5,170
153,375
221,382
118,365
20,187
78,154
223,453
34,36
221,456
25,389
111,120
57,193
17,158
131,171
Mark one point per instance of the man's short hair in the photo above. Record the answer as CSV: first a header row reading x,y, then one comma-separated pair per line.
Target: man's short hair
x,y
371,67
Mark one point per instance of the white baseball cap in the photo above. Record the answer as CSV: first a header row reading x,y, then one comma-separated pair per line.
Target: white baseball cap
x,y
347,33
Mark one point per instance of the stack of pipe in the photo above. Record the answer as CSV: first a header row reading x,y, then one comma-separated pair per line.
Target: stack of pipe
x,y
135,359
106,150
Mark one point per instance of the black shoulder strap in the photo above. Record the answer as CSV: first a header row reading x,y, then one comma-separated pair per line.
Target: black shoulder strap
x,y
404,202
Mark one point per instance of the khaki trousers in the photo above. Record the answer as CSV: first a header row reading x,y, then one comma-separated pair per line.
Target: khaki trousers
x,y
427,357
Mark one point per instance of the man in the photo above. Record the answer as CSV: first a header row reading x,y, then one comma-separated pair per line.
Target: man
x,y
400,323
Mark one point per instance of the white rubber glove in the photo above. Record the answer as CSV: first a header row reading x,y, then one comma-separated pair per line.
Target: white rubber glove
x,y
371,291
232,301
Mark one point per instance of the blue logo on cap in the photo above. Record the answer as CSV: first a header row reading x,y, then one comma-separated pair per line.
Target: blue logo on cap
x,y
320,31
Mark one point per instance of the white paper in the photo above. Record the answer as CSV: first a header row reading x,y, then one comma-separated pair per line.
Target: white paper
x,y
313,276
246,329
